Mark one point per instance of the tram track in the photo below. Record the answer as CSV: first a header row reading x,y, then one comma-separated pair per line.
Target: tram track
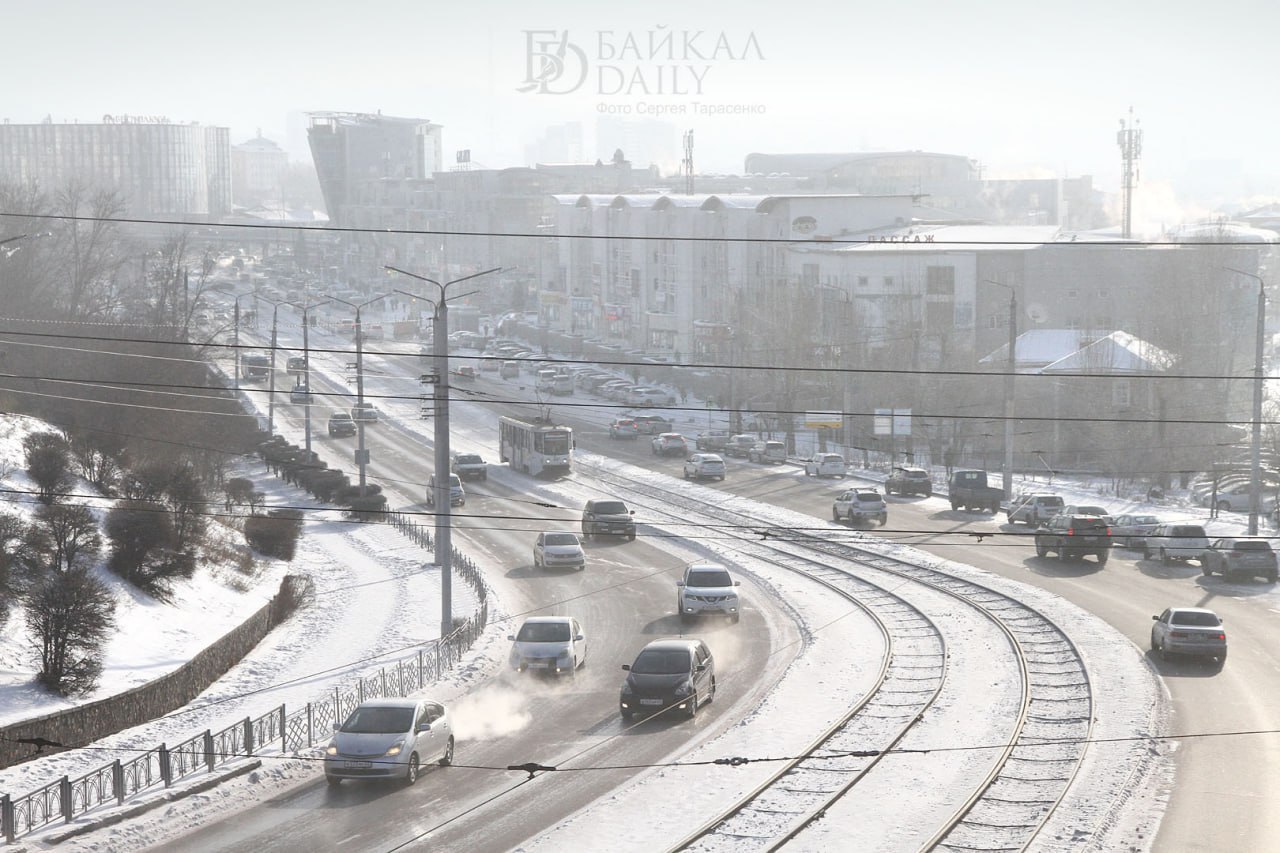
x,y
1034,766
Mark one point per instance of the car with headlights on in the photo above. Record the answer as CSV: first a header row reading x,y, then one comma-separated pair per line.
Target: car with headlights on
x,y
707,588
676,674
552,644
340,424
1189,631
557,549
389,739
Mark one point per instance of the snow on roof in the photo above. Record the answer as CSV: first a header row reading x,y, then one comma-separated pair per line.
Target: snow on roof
x,y
1079,351
932,238
1234,231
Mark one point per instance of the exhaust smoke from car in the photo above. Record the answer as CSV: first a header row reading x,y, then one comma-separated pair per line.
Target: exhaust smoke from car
x,y
489,712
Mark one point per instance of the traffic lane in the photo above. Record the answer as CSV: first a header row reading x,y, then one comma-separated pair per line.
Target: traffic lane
x,y
628,590
1216,802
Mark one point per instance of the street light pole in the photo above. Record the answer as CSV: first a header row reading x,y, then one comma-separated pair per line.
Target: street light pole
x,y
271,377
306,365
236,344
362,455
1255,485
443,507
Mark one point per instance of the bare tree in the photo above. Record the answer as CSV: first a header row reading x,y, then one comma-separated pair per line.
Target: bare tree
x,y
68,617
72,532
48,464
87,248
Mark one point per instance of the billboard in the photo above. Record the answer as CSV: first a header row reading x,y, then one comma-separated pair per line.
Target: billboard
x,y
893,422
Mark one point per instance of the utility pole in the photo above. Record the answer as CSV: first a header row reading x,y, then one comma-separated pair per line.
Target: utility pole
x,y
440,496
1255,450
306,365
687,163
1129,138
236,344
271,376
1011,366
362,454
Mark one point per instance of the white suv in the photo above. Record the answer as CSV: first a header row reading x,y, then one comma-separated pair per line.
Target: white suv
x,y
704,466
860,504
824,465
707,588
1175,542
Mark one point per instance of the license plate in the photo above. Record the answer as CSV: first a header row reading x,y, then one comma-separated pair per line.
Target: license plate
x,y
538,664
650,701
357,765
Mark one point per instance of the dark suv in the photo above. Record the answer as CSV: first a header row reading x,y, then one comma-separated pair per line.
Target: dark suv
x,y
909,481
1074,537
340,423
677,673
608,517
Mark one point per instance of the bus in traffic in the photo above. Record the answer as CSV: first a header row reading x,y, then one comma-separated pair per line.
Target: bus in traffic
x,y
537,447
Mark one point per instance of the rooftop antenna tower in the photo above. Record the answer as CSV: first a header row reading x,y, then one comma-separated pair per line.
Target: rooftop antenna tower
x,y
1129,138
686,165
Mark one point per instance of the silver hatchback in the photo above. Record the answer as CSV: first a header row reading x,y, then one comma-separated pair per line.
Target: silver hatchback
x,y
389,739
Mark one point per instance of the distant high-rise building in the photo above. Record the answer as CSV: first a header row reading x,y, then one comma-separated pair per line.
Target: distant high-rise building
x,y
161,168
561,143
258,169
353,150
646,142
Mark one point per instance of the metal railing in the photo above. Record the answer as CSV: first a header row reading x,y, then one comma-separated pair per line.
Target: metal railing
x,y
278,729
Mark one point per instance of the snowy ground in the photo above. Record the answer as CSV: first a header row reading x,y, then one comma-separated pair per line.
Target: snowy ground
x,y
336,632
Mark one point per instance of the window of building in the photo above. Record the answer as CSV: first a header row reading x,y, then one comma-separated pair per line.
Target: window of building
x,y
888,282
940,281
1120,393
1073,294
864,281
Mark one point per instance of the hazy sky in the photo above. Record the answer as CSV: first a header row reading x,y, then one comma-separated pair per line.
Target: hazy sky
x,y
1021,87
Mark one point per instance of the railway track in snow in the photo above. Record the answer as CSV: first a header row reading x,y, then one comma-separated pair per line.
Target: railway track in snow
x,y
1044,743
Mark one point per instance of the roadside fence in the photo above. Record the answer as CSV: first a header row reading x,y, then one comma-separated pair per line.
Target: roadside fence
x,y
122,780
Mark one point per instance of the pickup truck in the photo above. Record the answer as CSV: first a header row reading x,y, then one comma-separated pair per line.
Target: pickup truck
x,y
969,489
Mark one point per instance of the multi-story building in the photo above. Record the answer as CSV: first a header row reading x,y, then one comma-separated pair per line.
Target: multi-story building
x,y
161,168
258,170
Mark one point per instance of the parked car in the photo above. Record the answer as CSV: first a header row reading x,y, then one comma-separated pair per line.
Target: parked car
x,y
769,452
1234,558
300,394
652,424
341,424
669,444
825,465
1034,510
860,504
1175,542
559,548
551,644
739,445
909,481
668,674
469,466
1130,531
707,588
623,428
1235,496
457,495
1074,537
702,466
389,739
714,440
364,412
608,517
646,396
1189,631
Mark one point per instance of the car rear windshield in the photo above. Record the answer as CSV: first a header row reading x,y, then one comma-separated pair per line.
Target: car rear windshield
x,y
1208,620
611,508
469,459
1091,524
378,720
1052,500
561,539
1252,545
1187,530
661,662
867,496
718,577
543,632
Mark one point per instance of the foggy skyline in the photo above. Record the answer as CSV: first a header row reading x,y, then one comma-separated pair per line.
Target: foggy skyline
x,y
1022,91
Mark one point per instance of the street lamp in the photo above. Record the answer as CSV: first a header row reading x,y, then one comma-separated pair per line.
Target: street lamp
x,y
306,363
443,507
1255,485
362,455
1010,367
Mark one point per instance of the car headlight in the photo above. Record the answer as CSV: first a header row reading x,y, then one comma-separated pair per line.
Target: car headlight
x,y
332,750
684,690
395,748
626,688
